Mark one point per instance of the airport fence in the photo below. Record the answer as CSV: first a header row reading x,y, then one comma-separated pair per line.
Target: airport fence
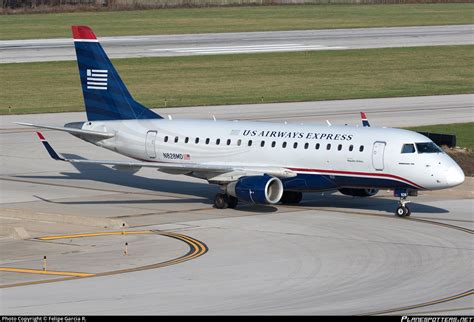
x,y
448,140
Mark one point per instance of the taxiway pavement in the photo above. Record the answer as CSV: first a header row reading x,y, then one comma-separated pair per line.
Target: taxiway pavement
x,y
242,42
332,254
389,112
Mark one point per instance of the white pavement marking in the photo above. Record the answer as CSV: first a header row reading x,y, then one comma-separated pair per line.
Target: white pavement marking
x,y
165,45
247,49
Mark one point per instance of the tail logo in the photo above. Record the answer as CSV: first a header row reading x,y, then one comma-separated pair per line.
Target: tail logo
x,y
97,79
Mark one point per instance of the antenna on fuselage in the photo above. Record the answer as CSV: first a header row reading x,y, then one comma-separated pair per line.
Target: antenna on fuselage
x,y
329,123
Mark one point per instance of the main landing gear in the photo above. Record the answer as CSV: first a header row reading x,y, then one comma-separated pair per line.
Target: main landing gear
x,y
223,200
291,197
403,210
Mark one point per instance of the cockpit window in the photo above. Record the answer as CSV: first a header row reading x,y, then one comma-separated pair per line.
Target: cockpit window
x,y
408,148
428,147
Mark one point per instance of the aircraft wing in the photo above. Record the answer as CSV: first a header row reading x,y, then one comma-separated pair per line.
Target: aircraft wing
x,y
211,172
95,134
365,121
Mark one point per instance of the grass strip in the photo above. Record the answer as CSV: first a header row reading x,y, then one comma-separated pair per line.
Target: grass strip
x,y
250,78
234,19
464,132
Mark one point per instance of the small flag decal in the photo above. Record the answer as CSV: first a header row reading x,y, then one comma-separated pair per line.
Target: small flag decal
x,y
97,79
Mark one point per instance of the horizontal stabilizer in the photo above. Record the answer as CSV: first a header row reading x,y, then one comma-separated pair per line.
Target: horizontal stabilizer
x,y
97,134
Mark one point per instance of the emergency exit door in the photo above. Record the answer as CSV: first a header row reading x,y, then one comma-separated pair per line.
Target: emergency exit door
x,y
378,155
150,144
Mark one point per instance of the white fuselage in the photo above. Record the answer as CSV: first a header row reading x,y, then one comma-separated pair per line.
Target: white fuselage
x,y
349,156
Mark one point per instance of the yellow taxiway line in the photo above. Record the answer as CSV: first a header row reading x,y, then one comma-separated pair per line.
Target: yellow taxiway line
x,y
196,249
39,271
138,232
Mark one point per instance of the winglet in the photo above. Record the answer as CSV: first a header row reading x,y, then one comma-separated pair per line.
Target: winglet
x,y
365,122
48,147
40,135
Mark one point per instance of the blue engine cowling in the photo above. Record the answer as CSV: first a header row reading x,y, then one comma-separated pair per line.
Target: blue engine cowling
x,y
257,189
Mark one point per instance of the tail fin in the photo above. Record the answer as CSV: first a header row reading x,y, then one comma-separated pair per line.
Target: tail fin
x,y
105,95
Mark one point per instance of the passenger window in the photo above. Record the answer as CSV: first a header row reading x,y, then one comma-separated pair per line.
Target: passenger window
x,y
176,139
295,145
166,138
228,142
273,144
239,142
339,147
208,140
218,141
328,147
317,146
283,145
351,147
186,140
250,143
361,148
262,144
196,141
306,145
408,148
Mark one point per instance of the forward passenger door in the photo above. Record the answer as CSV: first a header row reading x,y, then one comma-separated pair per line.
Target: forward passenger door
x,y
378,155
150,144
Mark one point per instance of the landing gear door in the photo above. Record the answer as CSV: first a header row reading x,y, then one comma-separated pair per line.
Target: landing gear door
x,y
377,155
150,144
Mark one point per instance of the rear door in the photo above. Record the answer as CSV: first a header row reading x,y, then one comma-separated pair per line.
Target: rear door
x,y
378,155
150,144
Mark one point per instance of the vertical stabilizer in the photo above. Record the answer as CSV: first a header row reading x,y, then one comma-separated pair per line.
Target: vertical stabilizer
x,y
105,95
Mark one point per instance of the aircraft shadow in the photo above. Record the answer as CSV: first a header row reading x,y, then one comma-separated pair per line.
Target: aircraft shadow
x,y
204,192
334,200
129,201
104,174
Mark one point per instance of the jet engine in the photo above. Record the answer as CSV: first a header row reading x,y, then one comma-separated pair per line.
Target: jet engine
x,y
367,192
257,189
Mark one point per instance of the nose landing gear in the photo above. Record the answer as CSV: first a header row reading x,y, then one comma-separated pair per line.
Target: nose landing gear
x,y
403,210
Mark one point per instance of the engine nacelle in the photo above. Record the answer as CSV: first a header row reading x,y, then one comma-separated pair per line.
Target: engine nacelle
x,y
365,192
257,189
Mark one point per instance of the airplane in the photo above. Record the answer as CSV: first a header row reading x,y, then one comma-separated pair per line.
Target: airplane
x,y
251,161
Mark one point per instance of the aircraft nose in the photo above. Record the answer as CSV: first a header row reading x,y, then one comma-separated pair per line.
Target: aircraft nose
x,y
454,176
